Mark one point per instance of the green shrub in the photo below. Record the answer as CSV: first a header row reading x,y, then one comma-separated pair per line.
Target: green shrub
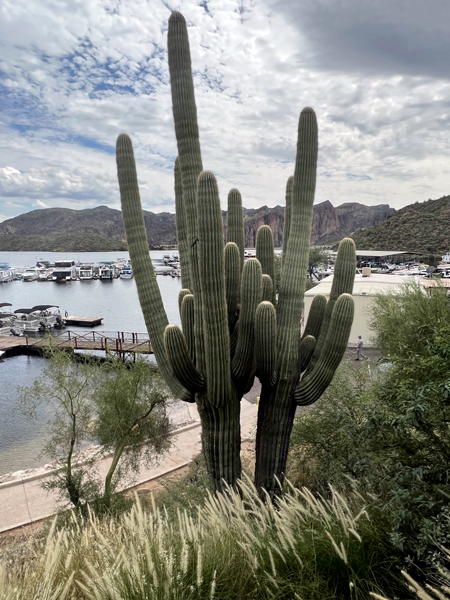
x,y
390,434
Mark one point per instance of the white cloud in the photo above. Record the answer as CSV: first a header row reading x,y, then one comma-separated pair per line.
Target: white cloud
x,y
41,204
74,78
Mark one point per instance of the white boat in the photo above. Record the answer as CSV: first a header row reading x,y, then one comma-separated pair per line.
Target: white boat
x,y
65,270
6,320
30,274
6,275
27,321
86,272
45,274
126,272
107,271
49,316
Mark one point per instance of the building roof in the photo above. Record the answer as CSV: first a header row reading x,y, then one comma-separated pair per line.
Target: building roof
x,y
365,286
379,253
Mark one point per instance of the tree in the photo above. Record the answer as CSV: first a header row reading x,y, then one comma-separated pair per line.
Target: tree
x,y
232,328
317,257
121,406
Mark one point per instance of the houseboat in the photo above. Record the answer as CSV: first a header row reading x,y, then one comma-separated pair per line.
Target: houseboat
x,y
65,270
6,273
86,272
107,271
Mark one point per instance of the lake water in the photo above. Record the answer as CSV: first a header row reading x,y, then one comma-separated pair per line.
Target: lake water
x,y
117,302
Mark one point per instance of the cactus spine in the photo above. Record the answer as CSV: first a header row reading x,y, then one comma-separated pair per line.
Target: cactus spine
x,y
232,328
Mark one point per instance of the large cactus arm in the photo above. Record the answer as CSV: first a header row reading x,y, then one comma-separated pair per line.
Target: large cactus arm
x,y
305,351
232,281
265,342
147,286
314,322
180,359
293,276
343,279
312,386
181,294
265,254
187,322
251,290
188,142
182,234
212,271
287,216
267,289
235,223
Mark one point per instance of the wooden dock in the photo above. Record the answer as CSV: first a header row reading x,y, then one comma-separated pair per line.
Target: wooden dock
x,y
118,343
82,321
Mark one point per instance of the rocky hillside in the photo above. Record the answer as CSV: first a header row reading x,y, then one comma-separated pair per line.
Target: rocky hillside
x,y
423,227
91,227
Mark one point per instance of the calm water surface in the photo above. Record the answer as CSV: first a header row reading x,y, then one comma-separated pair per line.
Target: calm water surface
x,y
21,440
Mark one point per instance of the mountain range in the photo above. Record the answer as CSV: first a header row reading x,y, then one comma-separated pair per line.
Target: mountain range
x,y
101,228
422,227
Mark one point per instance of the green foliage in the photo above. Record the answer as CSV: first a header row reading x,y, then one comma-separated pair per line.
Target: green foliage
x,y
120,406
317,257
67,242
235,546
388,430
403,322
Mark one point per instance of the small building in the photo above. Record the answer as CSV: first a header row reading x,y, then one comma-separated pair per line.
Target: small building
x,y
364,291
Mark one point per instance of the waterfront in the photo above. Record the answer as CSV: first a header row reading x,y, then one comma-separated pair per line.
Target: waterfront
x,y
117,302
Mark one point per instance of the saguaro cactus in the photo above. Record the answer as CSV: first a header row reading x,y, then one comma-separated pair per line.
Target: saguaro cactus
x,y
233,328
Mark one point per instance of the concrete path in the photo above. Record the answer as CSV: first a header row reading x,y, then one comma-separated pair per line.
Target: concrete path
x,y
24,501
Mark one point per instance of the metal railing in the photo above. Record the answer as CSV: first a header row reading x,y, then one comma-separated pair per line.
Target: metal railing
x,y
113,341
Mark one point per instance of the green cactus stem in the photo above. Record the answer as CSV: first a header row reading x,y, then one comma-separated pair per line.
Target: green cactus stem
x,y
148,289
267,289
251,292
212,271
265,254
287,216
315,316
180,360
232,282
235,222
187,323
343,278
182,234
265,342
312,386
181,294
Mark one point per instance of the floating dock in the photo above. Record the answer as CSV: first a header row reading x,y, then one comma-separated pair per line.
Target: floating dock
x,y
82,321
118,343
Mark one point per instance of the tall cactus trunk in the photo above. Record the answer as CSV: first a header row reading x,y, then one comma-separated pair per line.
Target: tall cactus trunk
x,y
221,441
275,420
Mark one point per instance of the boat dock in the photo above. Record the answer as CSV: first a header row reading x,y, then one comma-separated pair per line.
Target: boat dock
x,y
119,343
82,321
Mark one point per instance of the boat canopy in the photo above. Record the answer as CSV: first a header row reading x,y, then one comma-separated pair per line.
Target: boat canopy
x,y
44,307
5,304
3,315
24,311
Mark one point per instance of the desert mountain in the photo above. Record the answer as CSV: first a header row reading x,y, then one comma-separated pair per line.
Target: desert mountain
x,y
422,227
37,229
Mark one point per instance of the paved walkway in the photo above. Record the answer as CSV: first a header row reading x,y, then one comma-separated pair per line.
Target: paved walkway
x,y
24,501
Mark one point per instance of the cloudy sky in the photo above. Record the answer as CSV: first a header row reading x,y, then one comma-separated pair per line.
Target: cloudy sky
x,y
76,73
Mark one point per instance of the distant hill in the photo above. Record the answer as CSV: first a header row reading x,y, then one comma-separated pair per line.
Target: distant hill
x,y
101,228
72,242
422,227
